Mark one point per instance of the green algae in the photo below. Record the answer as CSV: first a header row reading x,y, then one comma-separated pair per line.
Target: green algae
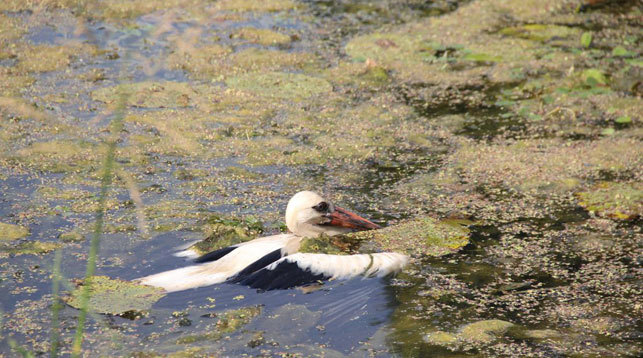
x,y
72,236
177,132
12,83
116,297
325,245
30,248
222,232
54,193
619,201
484,331
10,232
280,85
264,37
542,32
149,94
204,61
60,155
421,236
227,322
219,62
260,6
11,28
441,338
46,58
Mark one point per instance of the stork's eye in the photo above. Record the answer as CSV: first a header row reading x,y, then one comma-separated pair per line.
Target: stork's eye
x,y
321,207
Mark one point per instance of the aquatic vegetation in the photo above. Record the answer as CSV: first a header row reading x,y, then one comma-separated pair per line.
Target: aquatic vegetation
x,y
280,85
116,297
264,37
420,236
620,201
249,5
222,232
149,94
522,116
10,232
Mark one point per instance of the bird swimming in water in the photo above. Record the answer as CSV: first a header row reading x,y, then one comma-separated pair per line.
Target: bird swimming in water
x,y
273,262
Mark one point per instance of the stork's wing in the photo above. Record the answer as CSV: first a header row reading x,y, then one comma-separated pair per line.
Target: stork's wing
x,y
302,268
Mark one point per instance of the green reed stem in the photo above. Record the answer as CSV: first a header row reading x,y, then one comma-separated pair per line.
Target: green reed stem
x,y
106,181
55,308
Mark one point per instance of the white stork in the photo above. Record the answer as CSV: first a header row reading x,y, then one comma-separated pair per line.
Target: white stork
x,y
273,262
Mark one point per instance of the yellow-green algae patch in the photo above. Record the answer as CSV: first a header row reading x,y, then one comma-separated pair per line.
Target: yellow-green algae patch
x,y
421,236
113,296
264,37
252,5
60,155
484,331
178,132
200,61
227,322
149,94
327,245
29,248
280,85
222,232
481,332
545,165
542,32
10,232
620,201
45,58
11,28
11,83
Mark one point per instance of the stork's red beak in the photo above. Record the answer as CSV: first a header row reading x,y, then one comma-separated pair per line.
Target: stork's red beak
x,y
344,218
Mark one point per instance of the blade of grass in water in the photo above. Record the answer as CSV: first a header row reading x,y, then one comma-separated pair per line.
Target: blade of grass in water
x,y
106,182
55,308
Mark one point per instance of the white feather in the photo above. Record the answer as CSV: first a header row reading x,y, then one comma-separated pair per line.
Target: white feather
x,y
219,271
347,266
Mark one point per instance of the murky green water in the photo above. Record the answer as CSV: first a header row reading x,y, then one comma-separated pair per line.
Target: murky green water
x,y
497,112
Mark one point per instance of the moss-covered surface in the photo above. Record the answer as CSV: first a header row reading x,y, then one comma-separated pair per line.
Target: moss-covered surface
x,y
521,116
226,323
264,37
10,232
421,236
621,201
280,85
116,297
222,232
149,94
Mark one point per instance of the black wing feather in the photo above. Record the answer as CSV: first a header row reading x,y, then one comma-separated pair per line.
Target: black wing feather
x,y
214,255
256,266
285,275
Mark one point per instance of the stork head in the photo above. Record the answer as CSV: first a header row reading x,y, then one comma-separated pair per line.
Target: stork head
x,y
310,215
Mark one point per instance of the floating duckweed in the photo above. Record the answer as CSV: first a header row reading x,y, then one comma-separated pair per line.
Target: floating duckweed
x,y
113,296
222,232
149,94
10,232
325,245
60,155
619,201
440,338
45,58
227,322
252,5
542,32
422,236
30,248
280,85
264,37
484,331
